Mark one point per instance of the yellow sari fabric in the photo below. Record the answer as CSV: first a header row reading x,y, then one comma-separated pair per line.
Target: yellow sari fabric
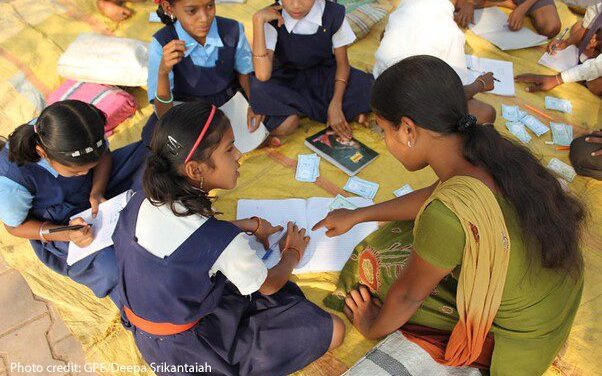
x,y
484,266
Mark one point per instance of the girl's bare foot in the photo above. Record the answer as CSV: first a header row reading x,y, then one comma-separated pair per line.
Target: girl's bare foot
x,y
363,120
114,10
271,142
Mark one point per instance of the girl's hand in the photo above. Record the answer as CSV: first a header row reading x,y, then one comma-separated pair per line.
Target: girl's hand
x,y
294,238
336,120
269,14
517,18
486,82
539,82
173,53
556,45
82,237
95,200
465,15
264,231
362,309
337,222
253,120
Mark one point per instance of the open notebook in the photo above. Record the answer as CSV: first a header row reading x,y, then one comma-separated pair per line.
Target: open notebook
x,y
103,226
323,253
492,24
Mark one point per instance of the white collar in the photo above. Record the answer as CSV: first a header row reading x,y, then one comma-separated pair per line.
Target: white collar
x,y
314,16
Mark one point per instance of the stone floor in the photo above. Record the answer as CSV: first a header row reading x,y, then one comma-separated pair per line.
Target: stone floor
x,y
33,338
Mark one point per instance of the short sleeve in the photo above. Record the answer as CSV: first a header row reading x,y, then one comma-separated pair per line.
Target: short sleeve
x,y
439,237
155,53
243,62
344,36
240,264
15,202
271,36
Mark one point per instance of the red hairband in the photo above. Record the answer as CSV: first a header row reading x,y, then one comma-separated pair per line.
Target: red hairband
x,y
202,134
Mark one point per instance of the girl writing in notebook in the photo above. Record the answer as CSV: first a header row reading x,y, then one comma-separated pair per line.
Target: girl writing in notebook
x,y
197,55
202,294
55,168
302,68
495,250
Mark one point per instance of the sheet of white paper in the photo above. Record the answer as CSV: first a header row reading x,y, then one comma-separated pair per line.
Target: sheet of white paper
x,y
488,20
103,227
492,24
514,40
323,253
562,60
502,71
236,110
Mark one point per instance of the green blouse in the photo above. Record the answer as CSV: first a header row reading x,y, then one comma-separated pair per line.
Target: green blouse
x,y
538,304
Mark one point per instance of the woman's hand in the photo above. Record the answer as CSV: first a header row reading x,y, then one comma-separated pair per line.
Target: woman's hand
x,y
336,120
253,120
264,231
539,82
269,14
465,15
485,82
82,237
362,310
95,200
337,222
517,18
294,239
173,53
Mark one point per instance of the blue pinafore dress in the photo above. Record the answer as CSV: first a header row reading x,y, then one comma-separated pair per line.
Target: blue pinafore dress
x,y
215,85
235,334
56,199
303,74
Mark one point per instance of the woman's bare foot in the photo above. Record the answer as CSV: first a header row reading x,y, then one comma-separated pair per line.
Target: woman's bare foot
x,y
114,10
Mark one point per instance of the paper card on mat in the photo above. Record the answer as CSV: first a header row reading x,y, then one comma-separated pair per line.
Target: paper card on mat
x,y
492,24
502,70
562,59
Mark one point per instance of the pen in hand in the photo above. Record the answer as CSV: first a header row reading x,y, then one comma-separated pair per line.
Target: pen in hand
x,y
63,228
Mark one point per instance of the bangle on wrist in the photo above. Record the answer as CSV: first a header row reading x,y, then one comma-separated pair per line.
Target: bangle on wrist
x,y
265,54
340,80
42,231
258,220
482,82
558,80
164,101
295,250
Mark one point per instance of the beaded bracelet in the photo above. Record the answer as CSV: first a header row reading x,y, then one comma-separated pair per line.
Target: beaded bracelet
x,y
260,56
164,101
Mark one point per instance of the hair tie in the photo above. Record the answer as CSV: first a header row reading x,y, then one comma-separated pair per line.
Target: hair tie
x,y
202,134
466,122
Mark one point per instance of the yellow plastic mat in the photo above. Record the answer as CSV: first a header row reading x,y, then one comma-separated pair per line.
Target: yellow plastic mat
x,y
35,33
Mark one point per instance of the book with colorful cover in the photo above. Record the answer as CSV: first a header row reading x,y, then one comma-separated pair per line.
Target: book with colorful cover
x,y
350,156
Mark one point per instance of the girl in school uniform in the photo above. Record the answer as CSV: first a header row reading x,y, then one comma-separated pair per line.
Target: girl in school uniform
x,y
302,68
197,55
198,294
55,168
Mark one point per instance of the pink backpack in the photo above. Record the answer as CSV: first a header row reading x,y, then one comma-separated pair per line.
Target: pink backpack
x,y
117,104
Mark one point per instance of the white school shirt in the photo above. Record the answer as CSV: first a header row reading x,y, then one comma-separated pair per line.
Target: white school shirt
x,y
309,25
591,68
238,262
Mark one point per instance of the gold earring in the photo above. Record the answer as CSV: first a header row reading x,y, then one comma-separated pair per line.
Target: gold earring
x,y
201,185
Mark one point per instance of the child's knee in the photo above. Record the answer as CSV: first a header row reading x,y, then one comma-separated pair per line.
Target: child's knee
x,y
338,332
484,112
550,28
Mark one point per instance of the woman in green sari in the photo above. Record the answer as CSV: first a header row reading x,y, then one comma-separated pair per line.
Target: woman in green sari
x,y
495,251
